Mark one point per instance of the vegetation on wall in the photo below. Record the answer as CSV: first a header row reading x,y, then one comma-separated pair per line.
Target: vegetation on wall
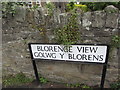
x,y
115,85
115,41
10,8
92,6
33,8
72,5
50,8
40,28
68,34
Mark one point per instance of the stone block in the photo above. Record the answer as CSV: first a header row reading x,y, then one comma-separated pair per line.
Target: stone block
x,y
38,16
50,36
112,20
8,38
63,19
86,19
98,32
30,17
49,22
111,9
96,40
20,14
119,21
98,19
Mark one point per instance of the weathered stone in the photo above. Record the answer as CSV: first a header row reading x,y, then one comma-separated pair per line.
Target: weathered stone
x,y
98,32
30,17
39,16
79,17
115,31
119,21
86,19
8,38
111,9
20,14
101,33
98,19
56,17
96,40
49,24
63,19
50,36
112,20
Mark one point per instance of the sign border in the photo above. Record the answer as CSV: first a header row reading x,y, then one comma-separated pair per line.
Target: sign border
x,y
69,60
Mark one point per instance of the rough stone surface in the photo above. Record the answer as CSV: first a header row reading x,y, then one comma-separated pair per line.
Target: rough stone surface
x,y
95,27
20,14
111,9
99,19
112,20
86,20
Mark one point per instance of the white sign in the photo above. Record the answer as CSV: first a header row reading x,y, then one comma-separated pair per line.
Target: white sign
x,y
83,53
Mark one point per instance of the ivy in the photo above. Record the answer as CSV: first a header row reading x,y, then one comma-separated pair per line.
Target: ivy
x,y
10,8
50,8
69,34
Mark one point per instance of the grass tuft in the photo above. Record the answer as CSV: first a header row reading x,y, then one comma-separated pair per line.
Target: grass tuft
x,y
18,79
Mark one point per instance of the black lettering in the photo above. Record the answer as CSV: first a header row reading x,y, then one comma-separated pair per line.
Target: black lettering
x,y
41,54
74,57
46,48
79,57
39,48
65,48
79,49
36,54
50,48
89,57
62,55
48,55
95,58
70,49
53,55
70,56
61,49
93,49
55,49
84,57
101,58
87,49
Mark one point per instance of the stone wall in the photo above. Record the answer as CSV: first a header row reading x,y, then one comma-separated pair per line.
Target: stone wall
x,y
96,27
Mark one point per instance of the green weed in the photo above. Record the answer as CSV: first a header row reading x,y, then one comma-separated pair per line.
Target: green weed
x,y
43,80
16,80
115,85
85,86
116,41
73,85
